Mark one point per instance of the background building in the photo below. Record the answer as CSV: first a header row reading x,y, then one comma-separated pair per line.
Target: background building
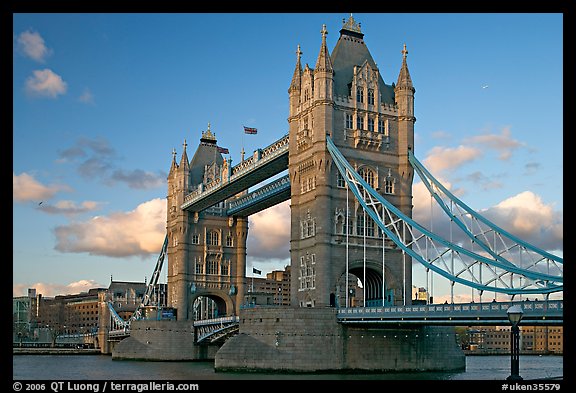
x,y
496,339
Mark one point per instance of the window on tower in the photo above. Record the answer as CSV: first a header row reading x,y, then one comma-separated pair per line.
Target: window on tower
x,y
349,121
359,122
213,238
340,181
370,124
371,96
389,184
212,266
368,175
359,94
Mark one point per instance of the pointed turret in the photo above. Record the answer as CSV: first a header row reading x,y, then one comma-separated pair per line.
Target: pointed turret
x,y
324,71
404,95
404,91
296,85
324,62
184,162
297,76
174,164
404,79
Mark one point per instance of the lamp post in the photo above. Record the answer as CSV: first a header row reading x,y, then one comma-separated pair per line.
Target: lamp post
x,y
514,316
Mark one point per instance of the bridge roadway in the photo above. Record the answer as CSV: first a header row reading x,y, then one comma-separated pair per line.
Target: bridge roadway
x,y
545,313
548,313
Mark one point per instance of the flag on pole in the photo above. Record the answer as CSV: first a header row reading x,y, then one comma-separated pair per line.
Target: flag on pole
x,y
250,130
256,271
222,150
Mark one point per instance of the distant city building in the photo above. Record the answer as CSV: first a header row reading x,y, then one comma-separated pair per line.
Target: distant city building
x,y
77,318
24,312
272,290
537,339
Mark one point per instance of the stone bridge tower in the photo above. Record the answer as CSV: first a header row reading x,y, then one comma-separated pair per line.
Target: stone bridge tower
x,y
372,123
206,250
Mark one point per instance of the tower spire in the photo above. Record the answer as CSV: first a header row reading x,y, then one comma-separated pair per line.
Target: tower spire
x,y
296,77
174,164
184,163
324,62
404,76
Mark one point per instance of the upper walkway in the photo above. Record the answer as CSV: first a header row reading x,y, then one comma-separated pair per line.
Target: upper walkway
x,y
263,164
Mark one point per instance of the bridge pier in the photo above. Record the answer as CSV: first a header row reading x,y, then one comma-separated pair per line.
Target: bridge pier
x,y
311,340
162,341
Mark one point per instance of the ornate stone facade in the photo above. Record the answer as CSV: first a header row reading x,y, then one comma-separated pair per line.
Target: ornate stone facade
x,y
372,123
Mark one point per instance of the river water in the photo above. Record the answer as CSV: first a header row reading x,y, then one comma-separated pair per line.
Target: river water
x,y
103,367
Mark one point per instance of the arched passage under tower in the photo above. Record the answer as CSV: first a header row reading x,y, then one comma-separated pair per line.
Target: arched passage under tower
x,y
206,306
364,287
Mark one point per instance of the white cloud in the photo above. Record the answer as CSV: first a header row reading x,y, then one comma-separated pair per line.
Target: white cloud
x,y
51,290
45,83
138,232
69,207
25,189
523,215
503,143
269,233
444,158
528,217
32,45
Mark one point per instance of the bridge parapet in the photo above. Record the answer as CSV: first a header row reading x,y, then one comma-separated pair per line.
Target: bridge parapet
x,y
261,156
494,313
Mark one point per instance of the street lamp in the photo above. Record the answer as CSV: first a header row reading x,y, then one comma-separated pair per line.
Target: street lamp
x,y
514,316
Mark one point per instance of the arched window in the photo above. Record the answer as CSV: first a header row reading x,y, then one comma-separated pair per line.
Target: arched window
x,y
213,238
359,94
368,175
371,96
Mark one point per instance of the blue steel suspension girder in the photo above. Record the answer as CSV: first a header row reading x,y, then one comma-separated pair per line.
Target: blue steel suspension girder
x,y
346,170
421,169
477,241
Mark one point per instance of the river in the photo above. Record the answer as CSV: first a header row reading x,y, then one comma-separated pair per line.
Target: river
x,y
103,367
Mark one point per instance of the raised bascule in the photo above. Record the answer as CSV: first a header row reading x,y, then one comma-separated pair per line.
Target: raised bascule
x,y
350,160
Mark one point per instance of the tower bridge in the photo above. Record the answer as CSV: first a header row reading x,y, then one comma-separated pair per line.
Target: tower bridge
x,y
350,161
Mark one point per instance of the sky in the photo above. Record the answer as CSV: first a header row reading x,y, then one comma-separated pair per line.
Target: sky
x,y
100,101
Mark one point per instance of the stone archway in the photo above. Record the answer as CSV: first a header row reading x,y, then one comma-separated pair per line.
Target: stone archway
x,y
209,305
365,286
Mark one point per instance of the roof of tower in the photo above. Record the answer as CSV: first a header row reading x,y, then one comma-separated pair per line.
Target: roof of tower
x,y
350,51
206,154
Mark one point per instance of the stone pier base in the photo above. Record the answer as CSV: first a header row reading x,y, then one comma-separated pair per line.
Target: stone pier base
x,y
162,341
311,340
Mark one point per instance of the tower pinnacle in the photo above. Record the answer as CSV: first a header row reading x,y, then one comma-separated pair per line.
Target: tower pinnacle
x,y
324,62
351,25
404,78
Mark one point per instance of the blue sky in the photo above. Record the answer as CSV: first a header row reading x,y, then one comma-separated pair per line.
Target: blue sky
x,y
101,100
